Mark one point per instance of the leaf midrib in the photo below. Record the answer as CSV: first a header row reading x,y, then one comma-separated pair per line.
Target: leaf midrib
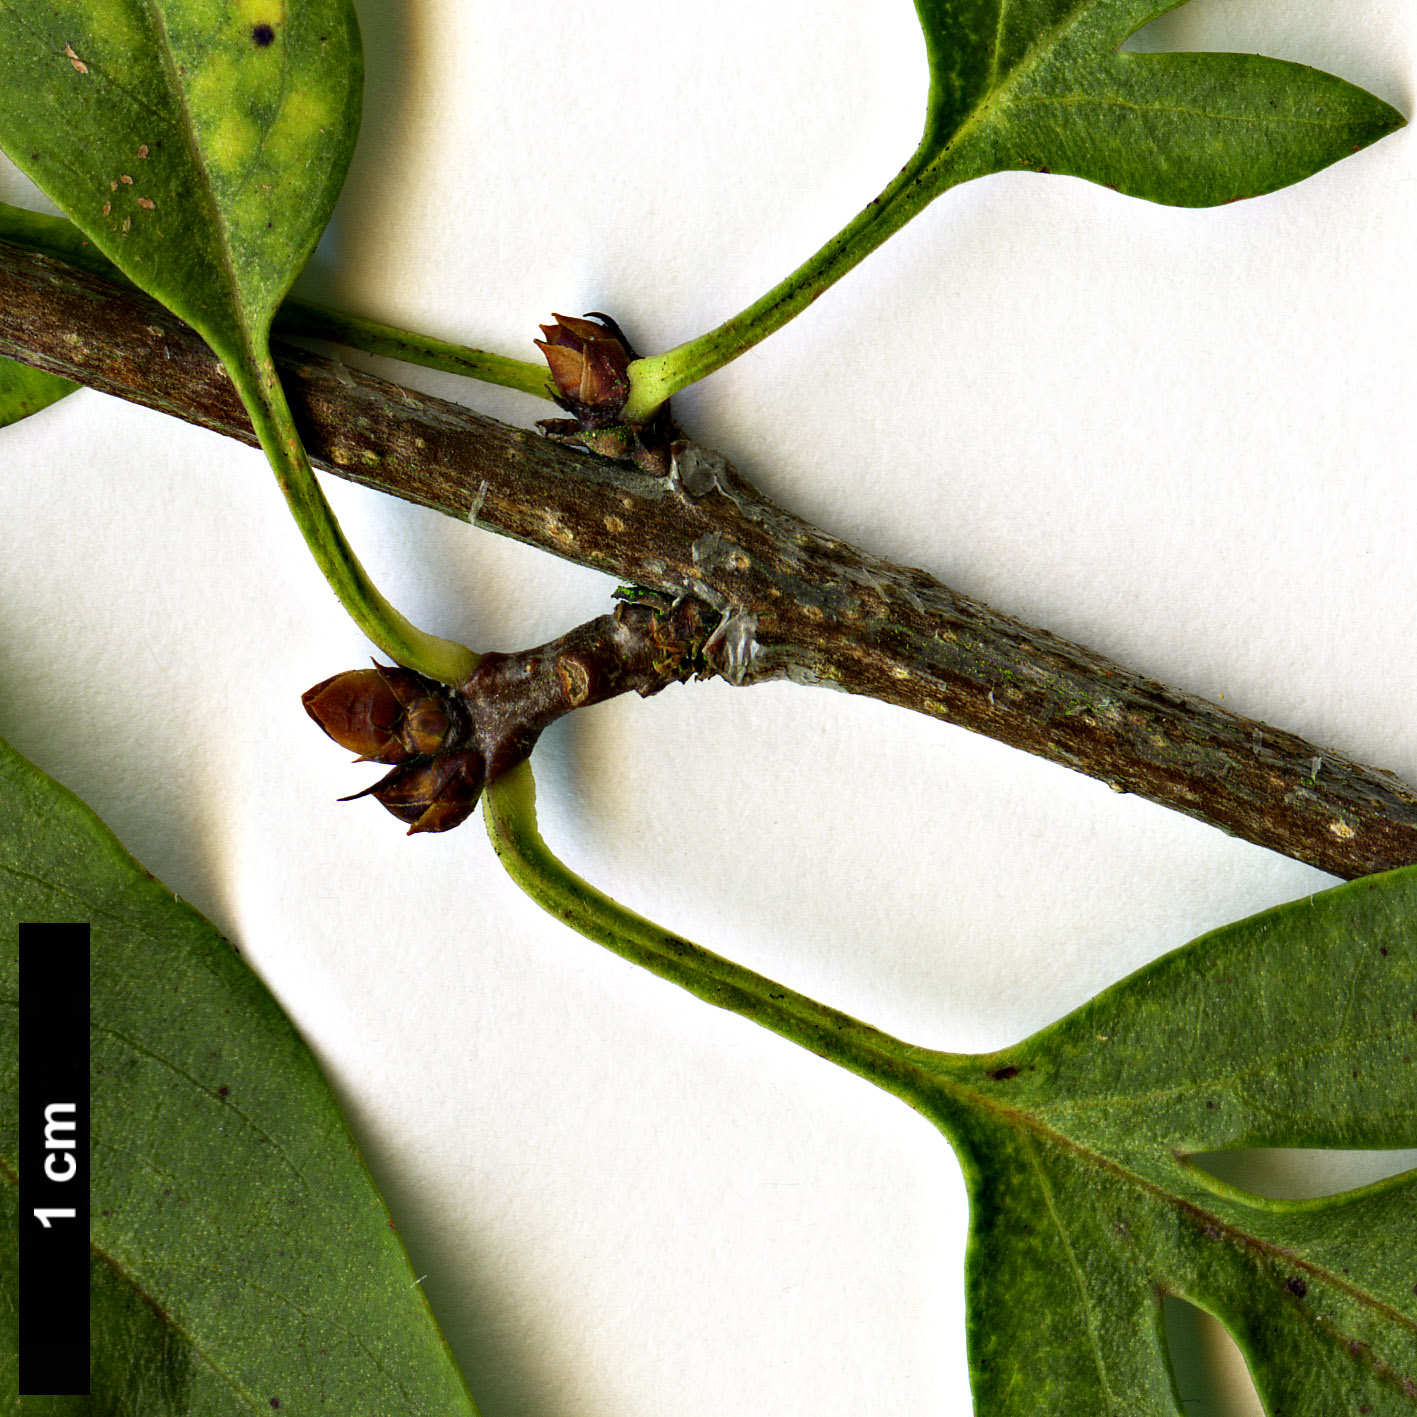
x,y
218,221
998,93
1025,1123
12,1179
1036,53
1112,101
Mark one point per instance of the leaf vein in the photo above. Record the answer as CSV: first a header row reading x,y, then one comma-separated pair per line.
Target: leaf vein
x,y
1117,101
1048,1198
202,1087
230,1379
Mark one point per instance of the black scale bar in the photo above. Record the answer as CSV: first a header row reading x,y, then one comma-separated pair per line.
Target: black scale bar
x,y
54,1159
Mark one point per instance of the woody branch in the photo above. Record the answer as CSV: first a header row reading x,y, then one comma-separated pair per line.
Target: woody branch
x,y
787,600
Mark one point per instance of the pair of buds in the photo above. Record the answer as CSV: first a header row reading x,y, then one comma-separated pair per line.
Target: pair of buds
x,y
392,715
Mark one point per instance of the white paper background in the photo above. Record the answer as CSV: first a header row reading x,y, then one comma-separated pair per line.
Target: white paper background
x,y
1183,438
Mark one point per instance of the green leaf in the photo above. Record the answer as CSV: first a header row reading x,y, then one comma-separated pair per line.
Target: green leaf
x,y
1297,1028
200,147
24,391
1045,84
240,1254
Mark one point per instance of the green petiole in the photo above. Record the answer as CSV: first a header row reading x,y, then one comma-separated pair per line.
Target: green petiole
x,y
57,236
297,317
261,392
509,807
658,377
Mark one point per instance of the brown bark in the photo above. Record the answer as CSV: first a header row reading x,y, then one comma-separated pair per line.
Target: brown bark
x,y
791,601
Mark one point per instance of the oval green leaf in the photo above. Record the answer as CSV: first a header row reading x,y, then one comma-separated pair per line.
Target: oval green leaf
x,y
200,147
241,1256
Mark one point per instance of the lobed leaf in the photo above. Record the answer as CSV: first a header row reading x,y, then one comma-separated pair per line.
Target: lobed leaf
x,y
1295,1028
1046,85
241,1257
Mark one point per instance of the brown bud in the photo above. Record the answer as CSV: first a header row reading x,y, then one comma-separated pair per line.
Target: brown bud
x,y
387,714
434,795
360,711
588,362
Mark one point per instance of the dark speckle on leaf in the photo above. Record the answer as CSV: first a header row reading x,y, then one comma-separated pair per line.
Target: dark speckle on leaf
x,y
223,1092
1001,1074
1296,1287
262,35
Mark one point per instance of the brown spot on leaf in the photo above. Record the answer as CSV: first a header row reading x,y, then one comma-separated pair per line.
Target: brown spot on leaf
x,y
145,203
125,179
79,66
143,150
